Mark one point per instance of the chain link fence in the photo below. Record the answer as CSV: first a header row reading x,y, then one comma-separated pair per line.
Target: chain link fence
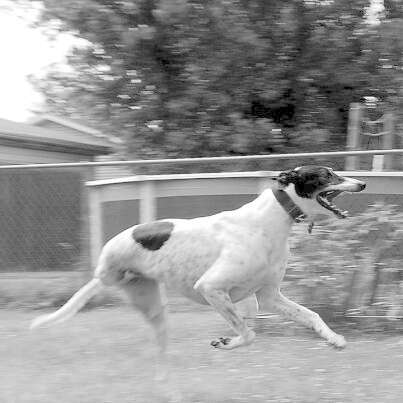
x,y
42,223
44,210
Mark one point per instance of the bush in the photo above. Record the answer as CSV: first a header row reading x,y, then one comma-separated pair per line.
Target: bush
x,y
352,267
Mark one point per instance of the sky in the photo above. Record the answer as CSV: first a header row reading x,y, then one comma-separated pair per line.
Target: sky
x,y
25,51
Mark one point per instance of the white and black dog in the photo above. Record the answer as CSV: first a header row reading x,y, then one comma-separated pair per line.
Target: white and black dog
x,y
219,259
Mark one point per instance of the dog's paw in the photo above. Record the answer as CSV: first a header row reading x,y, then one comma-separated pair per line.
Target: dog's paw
x,y
222,341
338,342
228,343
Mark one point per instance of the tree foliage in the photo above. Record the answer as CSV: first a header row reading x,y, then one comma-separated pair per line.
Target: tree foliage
x,y
192,77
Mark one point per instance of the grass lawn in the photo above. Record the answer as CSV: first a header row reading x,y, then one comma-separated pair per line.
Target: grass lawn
x,y
107,356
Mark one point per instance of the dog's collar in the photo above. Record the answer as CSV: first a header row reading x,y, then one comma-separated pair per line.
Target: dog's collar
x,y
288,205
291,208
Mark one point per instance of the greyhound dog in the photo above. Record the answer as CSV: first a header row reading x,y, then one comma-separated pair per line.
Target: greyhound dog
x,y
219,259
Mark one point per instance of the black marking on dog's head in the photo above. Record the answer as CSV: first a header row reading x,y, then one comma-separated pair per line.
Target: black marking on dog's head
x,y
153,235
308,179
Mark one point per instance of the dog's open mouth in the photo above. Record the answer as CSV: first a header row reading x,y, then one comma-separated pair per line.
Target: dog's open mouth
x,y
325,199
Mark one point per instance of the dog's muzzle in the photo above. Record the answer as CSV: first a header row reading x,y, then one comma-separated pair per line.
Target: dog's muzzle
x,y
325,198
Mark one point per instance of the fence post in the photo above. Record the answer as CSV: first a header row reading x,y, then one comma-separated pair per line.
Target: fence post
x,y
87,174
353,136
95,221
147,201
388,139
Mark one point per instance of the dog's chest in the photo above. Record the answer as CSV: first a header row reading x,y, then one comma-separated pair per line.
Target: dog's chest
x,y
276,247
276,251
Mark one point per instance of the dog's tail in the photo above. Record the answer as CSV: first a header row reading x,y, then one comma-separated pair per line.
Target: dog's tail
x,y
72,306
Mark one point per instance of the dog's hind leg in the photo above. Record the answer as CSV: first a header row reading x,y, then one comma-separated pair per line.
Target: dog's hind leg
x,y
270,299
148,297
145,295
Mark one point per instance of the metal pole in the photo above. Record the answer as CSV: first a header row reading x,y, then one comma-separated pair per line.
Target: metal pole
x,y
330,154
388,139
87,174
353,136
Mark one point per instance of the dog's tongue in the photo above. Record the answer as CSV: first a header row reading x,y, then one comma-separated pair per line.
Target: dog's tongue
x,y
342,214
327,203
337,211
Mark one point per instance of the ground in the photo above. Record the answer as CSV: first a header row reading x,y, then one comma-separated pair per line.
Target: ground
x,y
107,356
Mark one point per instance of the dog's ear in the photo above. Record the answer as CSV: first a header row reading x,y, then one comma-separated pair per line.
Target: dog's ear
x,y
287,177
306,185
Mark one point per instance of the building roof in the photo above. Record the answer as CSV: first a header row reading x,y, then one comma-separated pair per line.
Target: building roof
x,y
77,141
72,126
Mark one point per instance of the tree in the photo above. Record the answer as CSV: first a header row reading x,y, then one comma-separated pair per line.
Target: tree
x,y
192,77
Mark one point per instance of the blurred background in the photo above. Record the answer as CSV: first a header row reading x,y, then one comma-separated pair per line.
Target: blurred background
x,y
84,84
189,78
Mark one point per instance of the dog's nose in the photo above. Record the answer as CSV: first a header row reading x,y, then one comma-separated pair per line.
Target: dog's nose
x,y
363,186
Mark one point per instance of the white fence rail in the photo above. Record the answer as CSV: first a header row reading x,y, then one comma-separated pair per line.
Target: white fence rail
x,y
146,198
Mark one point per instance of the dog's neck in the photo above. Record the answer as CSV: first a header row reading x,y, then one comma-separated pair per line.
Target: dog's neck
x,y
267,210
292,207
289,205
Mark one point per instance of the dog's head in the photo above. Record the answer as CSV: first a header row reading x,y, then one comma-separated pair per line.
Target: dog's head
x,y
316,187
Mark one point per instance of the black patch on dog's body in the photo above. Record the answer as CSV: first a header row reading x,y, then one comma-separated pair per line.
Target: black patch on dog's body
x,y
153,235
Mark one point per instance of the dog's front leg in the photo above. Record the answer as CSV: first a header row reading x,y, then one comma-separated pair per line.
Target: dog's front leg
x,y
269,300
220,300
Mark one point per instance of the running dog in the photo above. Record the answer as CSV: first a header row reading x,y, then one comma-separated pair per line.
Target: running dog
x,y
219,259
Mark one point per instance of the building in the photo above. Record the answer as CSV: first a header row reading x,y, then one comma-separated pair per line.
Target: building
x,y
50,140
43,211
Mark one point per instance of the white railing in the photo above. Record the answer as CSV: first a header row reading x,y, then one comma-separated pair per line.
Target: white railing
x,y
149,190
